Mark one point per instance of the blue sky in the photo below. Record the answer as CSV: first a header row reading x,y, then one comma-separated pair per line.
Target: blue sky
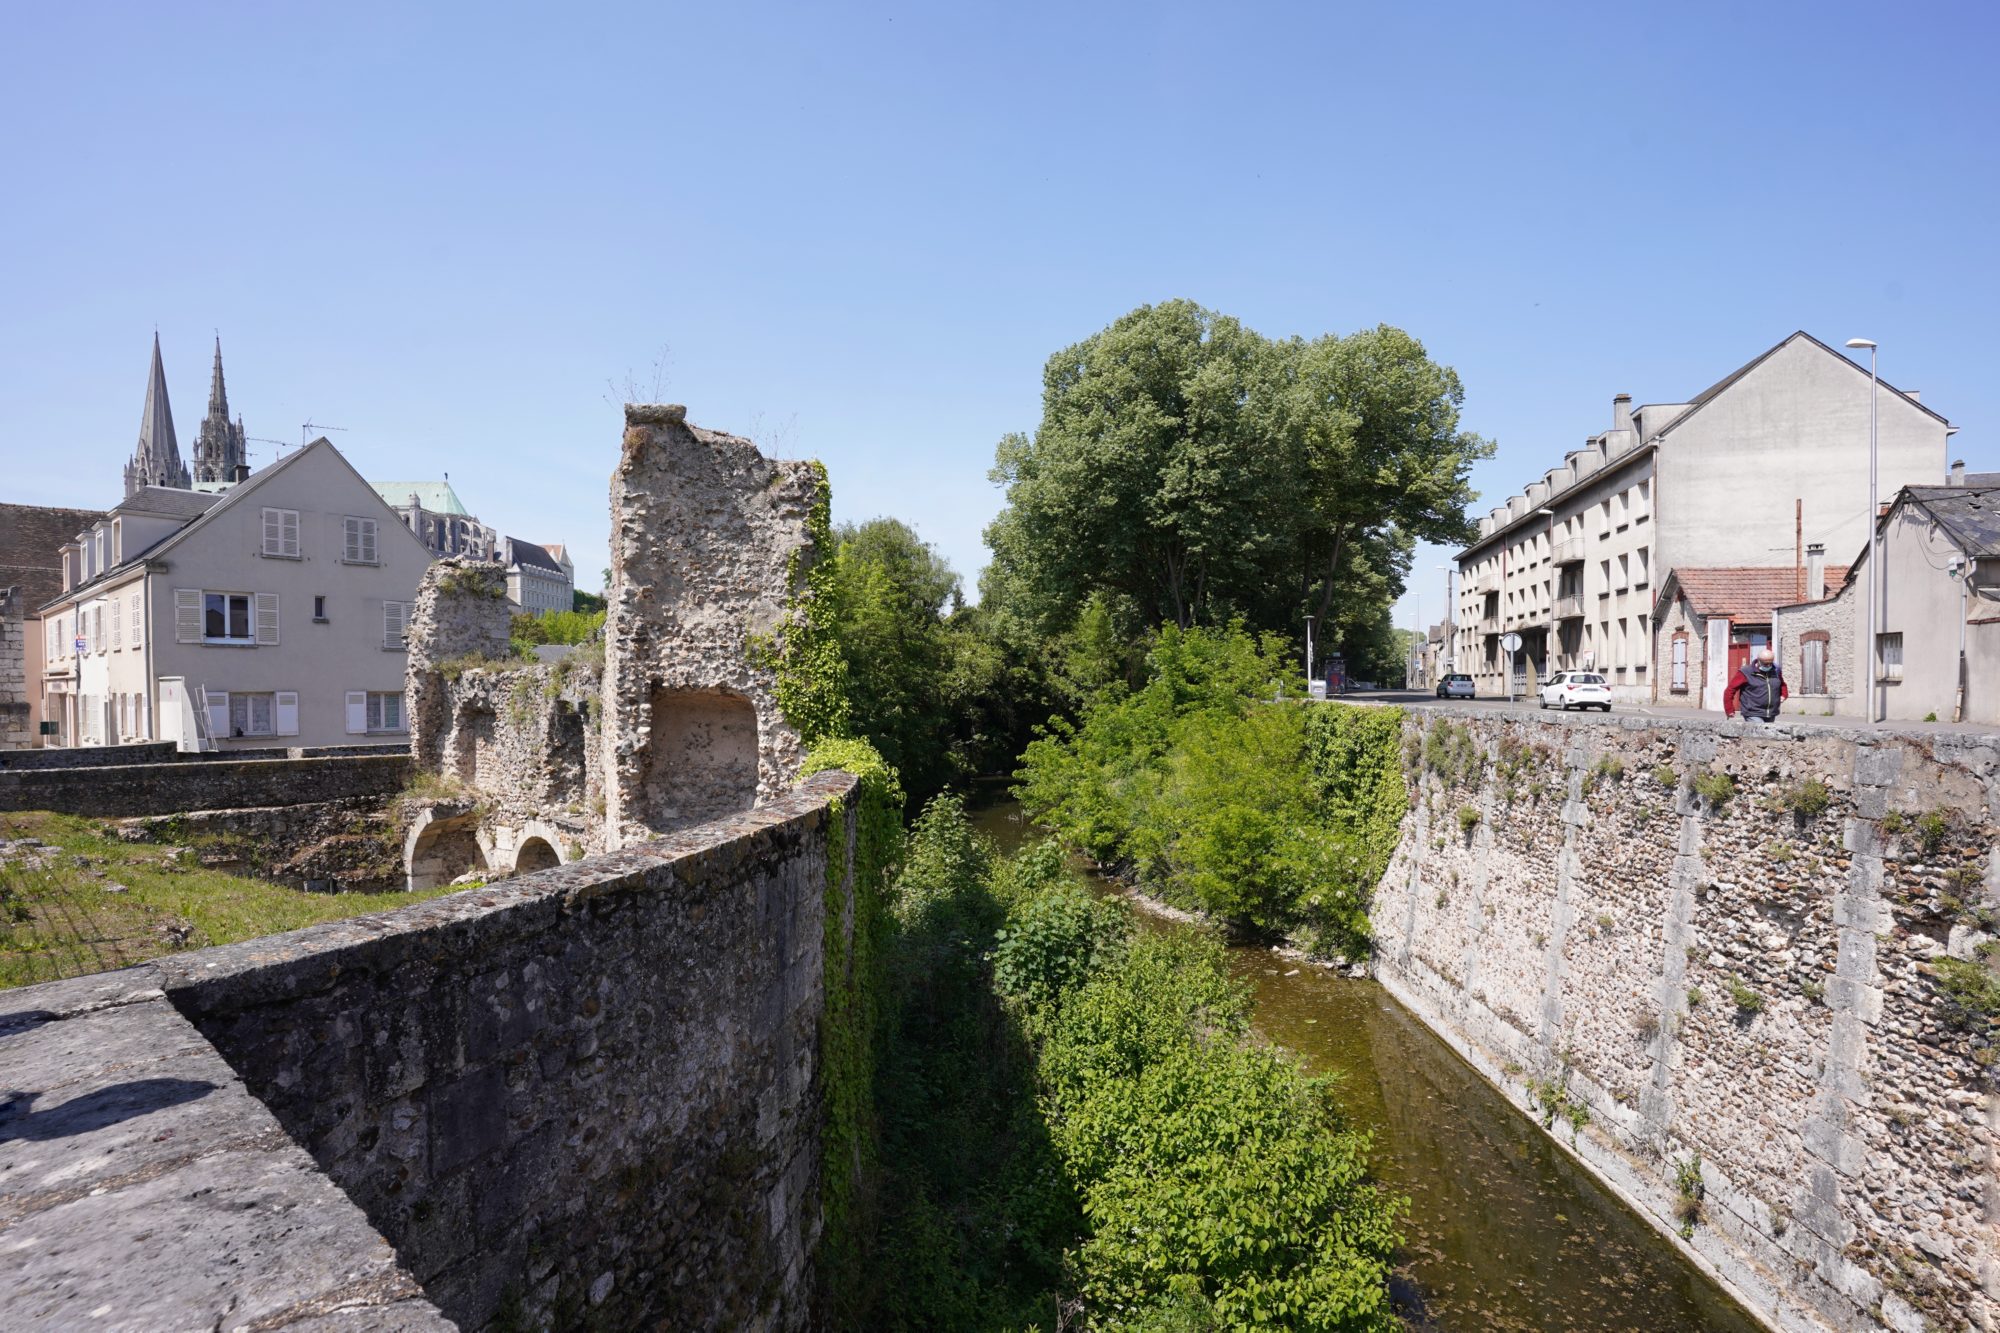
x,y
859,232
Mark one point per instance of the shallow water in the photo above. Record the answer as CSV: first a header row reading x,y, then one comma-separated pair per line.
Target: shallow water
x,y
1505,1231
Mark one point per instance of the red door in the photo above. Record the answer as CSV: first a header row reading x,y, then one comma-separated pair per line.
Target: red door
x,y
1739,657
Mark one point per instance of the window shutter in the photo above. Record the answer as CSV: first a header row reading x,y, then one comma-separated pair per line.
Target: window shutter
x,y
357,712
218,712
274,532
97,628
287,713
394,624
117,623
267,618
368,541
187,615
350,539
138,619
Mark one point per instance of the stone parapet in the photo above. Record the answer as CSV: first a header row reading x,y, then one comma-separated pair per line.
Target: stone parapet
x,y
1724,950
220,783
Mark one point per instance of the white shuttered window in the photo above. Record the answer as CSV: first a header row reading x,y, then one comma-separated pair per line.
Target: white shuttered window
x,y
281,533
138,619
187,615
267,619
395,624
357,540
286,712
357,712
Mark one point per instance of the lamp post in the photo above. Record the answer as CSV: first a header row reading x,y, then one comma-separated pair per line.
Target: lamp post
x,y
1867,653
1309,655
1450,646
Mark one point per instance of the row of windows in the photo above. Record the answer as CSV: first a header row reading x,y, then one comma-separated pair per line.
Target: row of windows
x,y
108,625
253,618
243,714
358,537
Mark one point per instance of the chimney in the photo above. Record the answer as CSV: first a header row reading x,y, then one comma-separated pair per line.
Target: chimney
x,y
1957,477
1621,412
239,474
1913,395
1816,572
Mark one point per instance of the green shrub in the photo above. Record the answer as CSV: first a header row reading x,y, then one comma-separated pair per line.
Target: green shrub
x,y
1893,822
1054,941
1665,775
1746,1000
1809,799
1932,830
1694,997
1690,1189
1970,991
1716,788
1468,819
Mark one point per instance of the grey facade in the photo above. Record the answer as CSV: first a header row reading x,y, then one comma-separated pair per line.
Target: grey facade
x,y
1770,459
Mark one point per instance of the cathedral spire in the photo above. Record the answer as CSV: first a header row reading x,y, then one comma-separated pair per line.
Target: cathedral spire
x,y
156,459
219,450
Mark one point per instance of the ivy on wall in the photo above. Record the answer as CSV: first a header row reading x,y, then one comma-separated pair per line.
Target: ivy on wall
x,y
805,653
849,1019
1355,758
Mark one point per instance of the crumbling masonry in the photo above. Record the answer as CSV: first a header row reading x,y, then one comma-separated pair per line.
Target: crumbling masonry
x,y
671,720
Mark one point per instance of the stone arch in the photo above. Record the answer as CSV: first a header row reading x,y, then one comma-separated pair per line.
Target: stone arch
x,y
700,758
535,853
440,847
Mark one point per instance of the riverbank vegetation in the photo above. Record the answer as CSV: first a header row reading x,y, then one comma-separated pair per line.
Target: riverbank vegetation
x,y
1214,791
1078,1130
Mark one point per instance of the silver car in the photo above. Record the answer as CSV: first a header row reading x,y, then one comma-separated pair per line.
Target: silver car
x,y
1456,685
1576,689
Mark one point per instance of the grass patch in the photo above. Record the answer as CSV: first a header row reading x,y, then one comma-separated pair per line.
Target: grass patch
x,y
1468,819
1747,1001
1808,799
64,919
1716,788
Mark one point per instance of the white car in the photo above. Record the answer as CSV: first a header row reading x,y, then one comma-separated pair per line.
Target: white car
x,y
1456,685
1576,689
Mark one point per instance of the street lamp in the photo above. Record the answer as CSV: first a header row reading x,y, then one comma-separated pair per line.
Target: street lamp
x,y
1309,655
1450,646
1867,653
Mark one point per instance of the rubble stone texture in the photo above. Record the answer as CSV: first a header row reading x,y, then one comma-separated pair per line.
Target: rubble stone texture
x,y
14,732
1746,984
710,547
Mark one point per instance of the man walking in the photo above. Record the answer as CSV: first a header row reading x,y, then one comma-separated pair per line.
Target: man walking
x,y
1758,690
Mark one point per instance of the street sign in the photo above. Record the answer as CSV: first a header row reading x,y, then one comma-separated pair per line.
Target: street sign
x,y
1510,642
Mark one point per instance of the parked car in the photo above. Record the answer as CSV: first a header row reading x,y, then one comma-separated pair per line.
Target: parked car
x,y
1456,685
1576,689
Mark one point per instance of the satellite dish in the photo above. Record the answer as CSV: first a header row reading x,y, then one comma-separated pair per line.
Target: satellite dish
x,y
1510,642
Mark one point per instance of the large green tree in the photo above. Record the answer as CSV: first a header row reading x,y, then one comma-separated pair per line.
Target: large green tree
x,y
1188,470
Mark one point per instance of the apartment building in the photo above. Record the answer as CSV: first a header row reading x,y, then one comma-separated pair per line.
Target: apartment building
x,y
1742,476
277,607
539,578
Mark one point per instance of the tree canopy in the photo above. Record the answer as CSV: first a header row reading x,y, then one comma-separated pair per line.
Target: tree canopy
x,y
1190,471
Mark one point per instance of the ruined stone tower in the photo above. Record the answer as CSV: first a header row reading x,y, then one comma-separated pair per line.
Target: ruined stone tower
x,y
710,544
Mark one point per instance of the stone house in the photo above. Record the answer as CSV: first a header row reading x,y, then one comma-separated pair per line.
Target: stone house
x,y
31,542
277,607
1937,648
536,580
1772,457
1708,622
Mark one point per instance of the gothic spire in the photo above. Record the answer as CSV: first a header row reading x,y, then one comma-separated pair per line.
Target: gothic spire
x,y
156,459
219,449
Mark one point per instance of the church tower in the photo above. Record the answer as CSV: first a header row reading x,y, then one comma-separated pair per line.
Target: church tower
x,y
156,460
219,450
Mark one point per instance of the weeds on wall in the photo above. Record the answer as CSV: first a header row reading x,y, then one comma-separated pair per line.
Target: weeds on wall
x,y
1716,789
852,942
1689,1191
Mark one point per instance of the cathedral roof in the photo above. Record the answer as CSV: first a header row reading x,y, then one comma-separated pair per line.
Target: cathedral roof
x,y
436,496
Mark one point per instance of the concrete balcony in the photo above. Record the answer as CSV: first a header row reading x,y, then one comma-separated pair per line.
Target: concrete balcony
x,y
1570,607
1569,552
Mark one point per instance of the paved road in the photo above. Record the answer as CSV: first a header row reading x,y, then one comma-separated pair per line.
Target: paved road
x,y
1428,697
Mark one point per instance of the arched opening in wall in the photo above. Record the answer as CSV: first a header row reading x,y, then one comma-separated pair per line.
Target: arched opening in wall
x,y
535,854
472,744
701,760
443,850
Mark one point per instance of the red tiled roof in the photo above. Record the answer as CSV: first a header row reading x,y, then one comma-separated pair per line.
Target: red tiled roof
x,y
1746,594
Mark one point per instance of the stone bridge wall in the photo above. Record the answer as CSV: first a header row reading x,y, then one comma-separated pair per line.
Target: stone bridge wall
x,y
1743,995
589,1097
215,784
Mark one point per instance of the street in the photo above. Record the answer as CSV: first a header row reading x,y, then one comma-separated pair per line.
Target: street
x,y
1428,698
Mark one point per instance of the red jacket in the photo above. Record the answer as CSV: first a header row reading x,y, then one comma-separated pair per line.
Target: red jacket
x,y
1739,680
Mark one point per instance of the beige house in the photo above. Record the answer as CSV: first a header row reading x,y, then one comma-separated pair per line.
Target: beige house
x,y
1743,475
271,613
1708,623
1937,648
539,578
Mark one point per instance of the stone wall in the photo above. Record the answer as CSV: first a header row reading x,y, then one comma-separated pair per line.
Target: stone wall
x,y
590,1097
1739,1000
710,548
339,846
225,783
16,729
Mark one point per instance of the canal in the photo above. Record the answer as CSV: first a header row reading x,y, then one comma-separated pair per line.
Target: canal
x,y
1505,1230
